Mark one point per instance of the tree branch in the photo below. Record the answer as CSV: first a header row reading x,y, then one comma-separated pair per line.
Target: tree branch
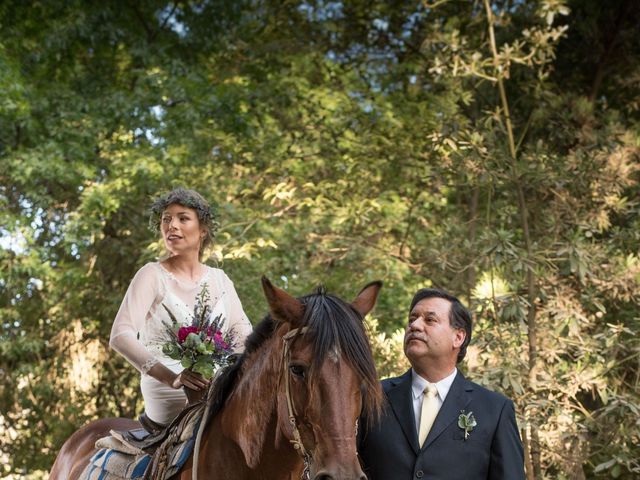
x,y
140,17
522,206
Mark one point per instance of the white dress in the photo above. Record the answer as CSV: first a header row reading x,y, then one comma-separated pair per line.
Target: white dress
x,y
138,332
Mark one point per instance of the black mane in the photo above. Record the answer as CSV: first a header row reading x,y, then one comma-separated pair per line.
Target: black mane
x,y
222,387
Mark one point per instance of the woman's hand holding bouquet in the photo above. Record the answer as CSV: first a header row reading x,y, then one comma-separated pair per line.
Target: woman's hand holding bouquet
x,y
201,346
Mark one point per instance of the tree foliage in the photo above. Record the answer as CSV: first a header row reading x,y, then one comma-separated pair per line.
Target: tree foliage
x,y
487,147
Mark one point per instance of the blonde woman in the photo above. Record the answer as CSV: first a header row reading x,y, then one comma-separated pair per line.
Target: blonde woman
x,y
187,225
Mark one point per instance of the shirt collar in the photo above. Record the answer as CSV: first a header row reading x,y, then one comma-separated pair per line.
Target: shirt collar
x,y
418,384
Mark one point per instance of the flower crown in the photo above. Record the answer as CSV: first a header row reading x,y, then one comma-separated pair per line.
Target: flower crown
x,y
207,215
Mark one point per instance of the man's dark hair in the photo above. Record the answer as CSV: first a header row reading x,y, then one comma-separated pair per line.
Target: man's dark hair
x,y
459,316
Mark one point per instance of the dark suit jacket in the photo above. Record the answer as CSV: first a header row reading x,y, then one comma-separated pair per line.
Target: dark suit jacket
x,y
492,451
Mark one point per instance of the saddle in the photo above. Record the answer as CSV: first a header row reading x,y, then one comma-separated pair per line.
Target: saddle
x,y
138,454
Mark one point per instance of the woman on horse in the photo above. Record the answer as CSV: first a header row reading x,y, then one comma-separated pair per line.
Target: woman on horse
x,y
187,225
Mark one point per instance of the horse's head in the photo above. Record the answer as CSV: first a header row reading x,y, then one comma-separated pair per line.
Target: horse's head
x,y
327,376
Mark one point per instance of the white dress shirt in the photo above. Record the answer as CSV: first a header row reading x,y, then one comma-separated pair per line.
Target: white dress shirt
x,y
418,384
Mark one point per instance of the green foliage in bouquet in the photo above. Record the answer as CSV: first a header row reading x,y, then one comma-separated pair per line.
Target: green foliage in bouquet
x,y
200,346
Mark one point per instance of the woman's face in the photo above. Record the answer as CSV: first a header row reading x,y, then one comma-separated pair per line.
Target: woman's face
x,y
181,229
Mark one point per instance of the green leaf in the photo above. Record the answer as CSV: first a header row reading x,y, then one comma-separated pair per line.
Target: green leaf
x,y
204,368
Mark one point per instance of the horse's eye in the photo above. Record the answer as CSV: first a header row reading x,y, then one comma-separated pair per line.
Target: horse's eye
x,y
297,370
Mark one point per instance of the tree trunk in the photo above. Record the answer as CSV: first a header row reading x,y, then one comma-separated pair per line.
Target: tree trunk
x,y
473,227
528,464
534,445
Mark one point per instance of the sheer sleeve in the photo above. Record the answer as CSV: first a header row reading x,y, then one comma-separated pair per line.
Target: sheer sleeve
x,y
238,321
130,320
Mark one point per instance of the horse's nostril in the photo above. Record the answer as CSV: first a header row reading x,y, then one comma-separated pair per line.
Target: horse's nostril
x,y
324,476
332,475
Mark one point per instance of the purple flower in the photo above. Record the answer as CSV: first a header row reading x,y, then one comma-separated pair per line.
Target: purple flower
x,y
218,339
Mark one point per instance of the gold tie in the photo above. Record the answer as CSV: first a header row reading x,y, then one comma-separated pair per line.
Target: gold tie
x,y
428,412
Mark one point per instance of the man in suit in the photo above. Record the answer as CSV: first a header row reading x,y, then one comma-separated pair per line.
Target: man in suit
x,y
437,424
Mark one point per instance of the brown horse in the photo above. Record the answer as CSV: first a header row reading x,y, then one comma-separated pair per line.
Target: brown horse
x,y
305,377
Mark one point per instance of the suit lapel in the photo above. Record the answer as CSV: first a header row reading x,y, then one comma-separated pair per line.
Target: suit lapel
x,y
400,399
457,399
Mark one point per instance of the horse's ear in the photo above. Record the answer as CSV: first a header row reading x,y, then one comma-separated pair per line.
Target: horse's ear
x,y
366,299
283,307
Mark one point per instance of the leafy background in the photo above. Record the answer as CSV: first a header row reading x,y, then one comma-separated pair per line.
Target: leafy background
x,y
488,147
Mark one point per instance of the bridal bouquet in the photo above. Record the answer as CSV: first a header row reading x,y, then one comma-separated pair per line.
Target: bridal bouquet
x,y
201,345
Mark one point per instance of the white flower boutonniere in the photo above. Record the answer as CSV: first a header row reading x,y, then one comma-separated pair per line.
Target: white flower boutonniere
x,y
467,422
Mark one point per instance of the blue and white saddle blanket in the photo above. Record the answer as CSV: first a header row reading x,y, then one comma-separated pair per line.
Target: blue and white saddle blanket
x,y
109,464
118,459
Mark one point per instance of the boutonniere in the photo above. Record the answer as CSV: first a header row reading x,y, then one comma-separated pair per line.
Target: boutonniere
x,y
467,422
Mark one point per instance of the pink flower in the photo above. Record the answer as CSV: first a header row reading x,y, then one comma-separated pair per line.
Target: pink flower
x,y
184,332
218,339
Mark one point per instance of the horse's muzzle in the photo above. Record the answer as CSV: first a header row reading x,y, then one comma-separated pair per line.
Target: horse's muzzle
x,y
331,475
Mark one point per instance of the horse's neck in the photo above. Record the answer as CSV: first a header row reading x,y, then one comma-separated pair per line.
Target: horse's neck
x,y
246,431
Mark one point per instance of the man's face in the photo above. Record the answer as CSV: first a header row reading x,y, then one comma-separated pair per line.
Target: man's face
x,y
429,334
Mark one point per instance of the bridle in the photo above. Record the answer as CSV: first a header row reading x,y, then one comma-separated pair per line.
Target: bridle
x,y
297,438
297,443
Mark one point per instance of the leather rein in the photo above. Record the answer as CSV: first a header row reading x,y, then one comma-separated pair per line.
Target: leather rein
x,y
297,439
